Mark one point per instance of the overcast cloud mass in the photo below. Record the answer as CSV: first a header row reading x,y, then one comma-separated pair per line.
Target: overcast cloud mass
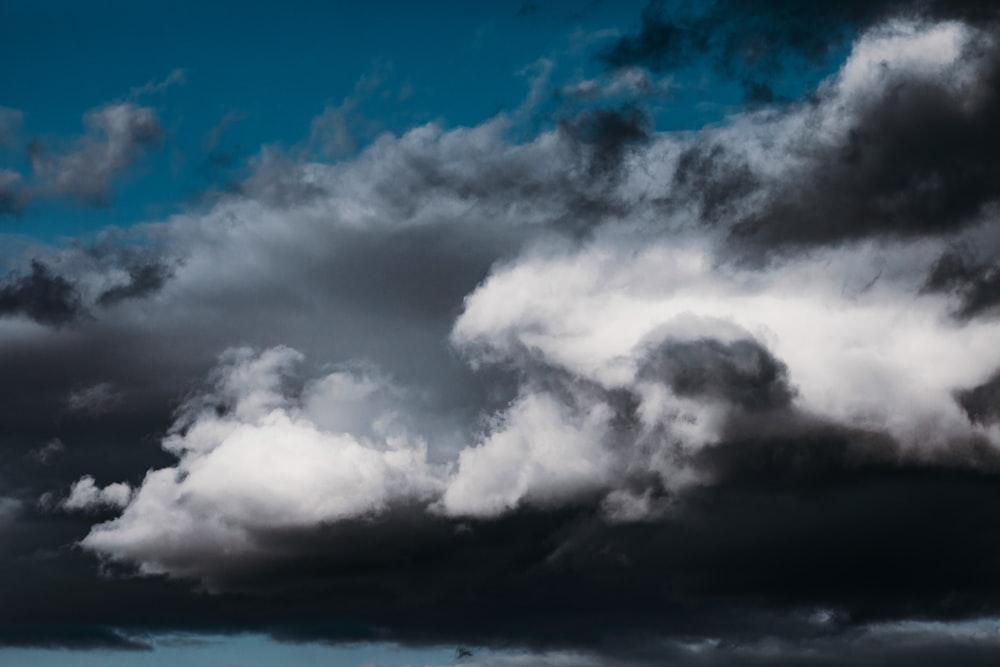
x,y
569,385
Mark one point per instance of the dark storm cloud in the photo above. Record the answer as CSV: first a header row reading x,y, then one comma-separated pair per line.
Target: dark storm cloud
x,y
976,283
982,403
797,526
144,280
810,532
916,160
709,176
42,296
743,373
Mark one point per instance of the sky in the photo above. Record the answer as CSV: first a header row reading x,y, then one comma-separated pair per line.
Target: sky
x,y
501,334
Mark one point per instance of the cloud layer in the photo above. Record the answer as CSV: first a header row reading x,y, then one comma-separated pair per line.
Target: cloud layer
x,y
606,393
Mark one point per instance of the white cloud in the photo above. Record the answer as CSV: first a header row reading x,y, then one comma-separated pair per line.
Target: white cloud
x,y
263,463
539,451
883,359
86,495
932,50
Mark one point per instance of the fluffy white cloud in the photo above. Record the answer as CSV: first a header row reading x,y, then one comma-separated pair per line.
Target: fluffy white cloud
x,y
86,495
251,458
884,357
540,451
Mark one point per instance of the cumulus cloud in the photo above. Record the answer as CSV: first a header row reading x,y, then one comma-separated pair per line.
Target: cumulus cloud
x,y
873,358
86,495
541,451
252,458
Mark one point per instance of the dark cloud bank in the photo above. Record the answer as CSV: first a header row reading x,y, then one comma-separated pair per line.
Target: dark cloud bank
x,y
500,445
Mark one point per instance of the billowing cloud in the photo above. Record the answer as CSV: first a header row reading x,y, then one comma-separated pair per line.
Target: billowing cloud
x,y
86,495
251,460
601,404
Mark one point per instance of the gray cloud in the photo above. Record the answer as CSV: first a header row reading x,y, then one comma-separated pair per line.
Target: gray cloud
x,y
742,372
117,136
976,283
981,402
42,296
144,279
